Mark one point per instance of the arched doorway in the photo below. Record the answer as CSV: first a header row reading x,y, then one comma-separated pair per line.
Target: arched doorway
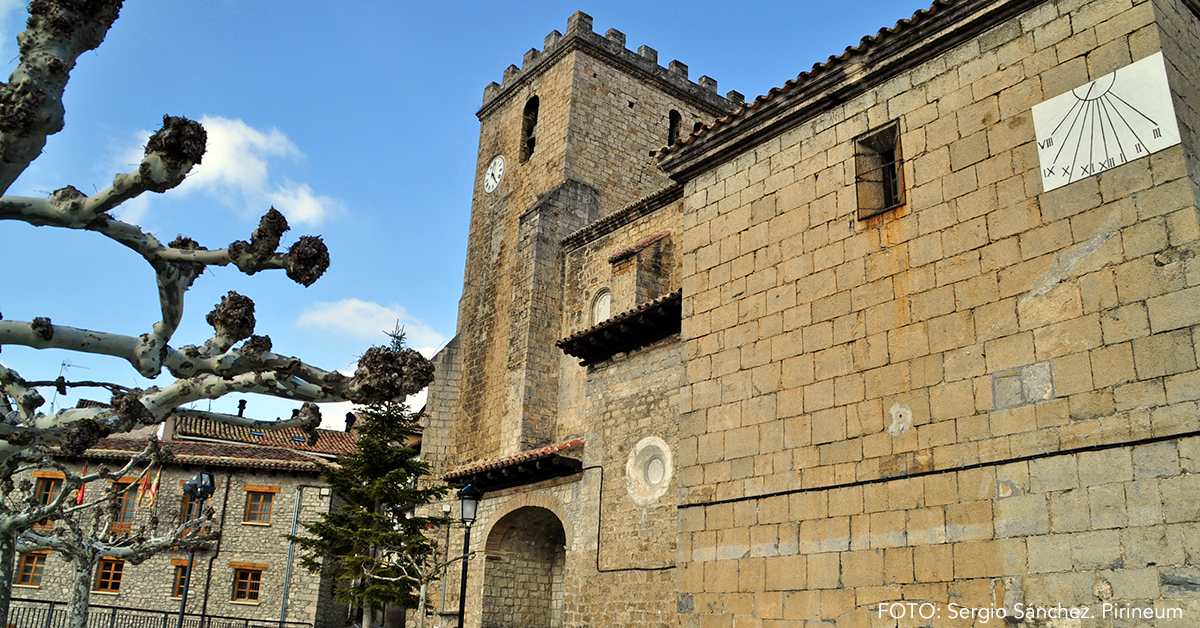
x,y
523,573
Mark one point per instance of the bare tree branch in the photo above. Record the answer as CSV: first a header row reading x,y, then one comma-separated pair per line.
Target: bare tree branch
x,y
31,102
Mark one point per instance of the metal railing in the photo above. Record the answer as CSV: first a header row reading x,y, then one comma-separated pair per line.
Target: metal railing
x,y
26,613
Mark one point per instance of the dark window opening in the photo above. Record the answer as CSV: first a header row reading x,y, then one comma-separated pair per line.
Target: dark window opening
x,y
529,129
674,120
696,127
878,171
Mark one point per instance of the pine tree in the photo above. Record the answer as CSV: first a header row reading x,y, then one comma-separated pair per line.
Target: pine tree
x,y
374,546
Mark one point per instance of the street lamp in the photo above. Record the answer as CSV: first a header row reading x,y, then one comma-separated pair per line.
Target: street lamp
x,y
468,501
199,488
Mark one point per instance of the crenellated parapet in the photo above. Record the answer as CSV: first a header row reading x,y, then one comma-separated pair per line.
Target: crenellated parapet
x,y
611,46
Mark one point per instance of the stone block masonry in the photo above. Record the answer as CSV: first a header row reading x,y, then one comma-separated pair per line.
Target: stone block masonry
x,y
968,342
905,372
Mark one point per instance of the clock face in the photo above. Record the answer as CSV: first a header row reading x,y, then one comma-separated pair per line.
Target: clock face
x,y
495,172
1100,125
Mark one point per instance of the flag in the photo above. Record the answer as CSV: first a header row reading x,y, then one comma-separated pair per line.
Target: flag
x,y
154,487
79,495
142,489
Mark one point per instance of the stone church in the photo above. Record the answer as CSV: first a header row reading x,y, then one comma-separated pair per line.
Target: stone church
x,y
909,340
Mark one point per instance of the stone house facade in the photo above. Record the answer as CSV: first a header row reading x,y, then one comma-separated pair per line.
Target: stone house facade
x,y
266,485
881,336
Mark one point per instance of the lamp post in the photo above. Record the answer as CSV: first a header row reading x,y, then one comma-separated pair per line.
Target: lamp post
x,y
199,488
468,500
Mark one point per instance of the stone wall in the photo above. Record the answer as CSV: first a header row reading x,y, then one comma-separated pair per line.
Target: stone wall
x,y
868,402
588,268
150,585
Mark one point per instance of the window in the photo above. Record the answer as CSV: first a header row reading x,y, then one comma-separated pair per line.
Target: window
x,y
673,122
126,501
529,128
180,577
33,565
601,306
878,171
190,510
109,579
48,488
247,583
259,500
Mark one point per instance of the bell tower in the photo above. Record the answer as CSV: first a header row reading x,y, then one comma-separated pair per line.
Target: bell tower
x,y
565,140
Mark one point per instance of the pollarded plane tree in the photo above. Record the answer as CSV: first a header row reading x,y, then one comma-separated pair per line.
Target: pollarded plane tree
x,y
233,360
80,527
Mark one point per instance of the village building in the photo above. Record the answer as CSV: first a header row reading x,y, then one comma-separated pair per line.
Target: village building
x,y
266,486
916,330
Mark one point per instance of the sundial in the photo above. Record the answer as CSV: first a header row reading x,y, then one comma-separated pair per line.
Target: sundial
x,y
1115,119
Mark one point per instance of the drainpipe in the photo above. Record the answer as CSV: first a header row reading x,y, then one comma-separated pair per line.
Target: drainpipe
x,y
287,572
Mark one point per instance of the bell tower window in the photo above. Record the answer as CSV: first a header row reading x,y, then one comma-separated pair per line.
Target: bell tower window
x,y
529,128
673,122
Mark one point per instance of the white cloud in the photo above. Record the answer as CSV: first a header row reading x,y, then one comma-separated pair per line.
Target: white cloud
x,y
299,204
236,171
371,321
236,158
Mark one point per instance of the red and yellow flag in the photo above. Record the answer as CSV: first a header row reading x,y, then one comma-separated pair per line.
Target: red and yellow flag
x,y
154,487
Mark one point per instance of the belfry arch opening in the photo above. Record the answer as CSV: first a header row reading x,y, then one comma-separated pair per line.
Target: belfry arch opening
x,y
674,120
529,121
523,573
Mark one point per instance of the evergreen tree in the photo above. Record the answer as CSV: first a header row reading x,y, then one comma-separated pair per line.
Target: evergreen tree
x,y
374,546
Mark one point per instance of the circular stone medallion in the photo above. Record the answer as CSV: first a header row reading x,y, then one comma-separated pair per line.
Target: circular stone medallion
x,y
648,470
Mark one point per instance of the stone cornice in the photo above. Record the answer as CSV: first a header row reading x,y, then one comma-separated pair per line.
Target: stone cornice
x,y
930,33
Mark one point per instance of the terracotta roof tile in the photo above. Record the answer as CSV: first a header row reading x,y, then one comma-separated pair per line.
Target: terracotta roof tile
x,y
210,454
499,463
617,318
328,441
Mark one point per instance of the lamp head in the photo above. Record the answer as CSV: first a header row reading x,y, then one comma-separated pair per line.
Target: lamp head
x,y
200,486
468,500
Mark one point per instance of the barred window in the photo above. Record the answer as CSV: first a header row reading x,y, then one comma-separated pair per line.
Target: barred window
x,y
247,584
878,171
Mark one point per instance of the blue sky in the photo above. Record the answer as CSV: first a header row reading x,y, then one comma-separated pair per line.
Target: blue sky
x,y
357,120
